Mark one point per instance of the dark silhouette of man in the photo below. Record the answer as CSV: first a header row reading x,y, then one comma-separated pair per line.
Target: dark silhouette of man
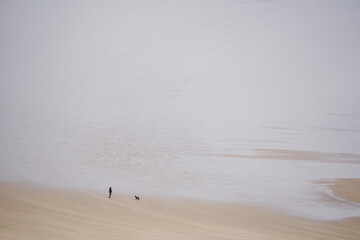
x,y
110,192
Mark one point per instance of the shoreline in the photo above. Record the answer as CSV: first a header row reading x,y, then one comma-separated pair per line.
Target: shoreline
x,y
36,212
347,188
342,189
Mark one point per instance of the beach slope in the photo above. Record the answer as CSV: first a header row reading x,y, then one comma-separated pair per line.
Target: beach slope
x,y
32,212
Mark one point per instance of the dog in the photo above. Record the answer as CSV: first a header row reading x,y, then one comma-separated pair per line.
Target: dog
x,y
137,198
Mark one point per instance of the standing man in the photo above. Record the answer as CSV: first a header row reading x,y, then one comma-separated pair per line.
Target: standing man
x,y
110,192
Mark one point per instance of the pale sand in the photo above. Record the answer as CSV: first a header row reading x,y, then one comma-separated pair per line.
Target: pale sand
x,y
347,188
29,212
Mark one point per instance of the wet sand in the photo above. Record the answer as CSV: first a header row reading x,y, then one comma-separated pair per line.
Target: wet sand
x,y
33,212
282,154
347,188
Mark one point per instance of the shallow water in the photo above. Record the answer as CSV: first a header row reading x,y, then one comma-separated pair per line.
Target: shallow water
x,y
235,100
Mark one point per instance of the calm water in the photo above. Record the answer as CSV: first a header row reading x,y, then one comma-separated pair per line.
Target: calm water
x,y
247,101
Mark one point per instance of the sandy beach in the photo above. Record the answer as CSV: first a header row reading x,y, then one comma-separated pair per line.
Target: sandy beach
x,y
33,212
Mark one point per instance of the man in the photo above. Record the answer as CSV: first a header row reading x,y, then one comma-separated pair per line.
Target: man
x,y
110,192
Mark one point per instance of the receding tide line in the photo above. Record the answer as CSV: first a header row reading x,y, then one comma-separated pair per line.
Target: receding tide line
x,y
283,154
344,188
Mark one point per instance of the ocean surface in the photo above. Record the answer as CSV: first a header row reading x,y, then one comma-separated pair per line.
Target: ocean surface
x,y
241,101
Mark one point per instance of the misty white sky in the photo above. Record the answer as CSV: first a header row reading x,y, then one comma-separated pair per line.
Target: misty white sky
x,y
185,65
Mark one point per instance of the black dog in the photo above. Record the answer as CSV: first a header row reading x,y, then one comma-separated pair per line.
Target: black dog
x,y
137,198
